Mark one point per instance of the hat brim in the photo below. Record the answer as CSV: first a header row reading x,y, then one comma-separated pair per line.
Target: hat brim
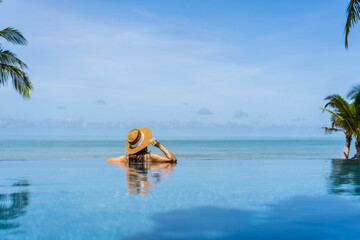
x,y
145,142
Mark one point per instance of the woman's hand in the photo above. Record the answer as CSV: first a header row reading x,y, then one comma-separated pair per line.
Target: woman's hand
x,y
155,142
157,157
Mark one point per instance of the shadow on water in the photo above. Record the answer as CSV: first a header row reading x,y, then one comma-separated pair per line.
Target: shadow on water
x,y
140,177
322,217
13,205
345,177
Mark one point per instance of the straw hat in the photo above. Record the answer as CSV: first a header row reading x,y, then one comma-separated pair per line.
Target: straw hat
x,y
137,139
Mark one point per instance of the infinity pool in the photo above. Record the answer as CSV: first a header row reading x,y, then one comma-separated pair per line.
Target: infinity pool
x,y
194,199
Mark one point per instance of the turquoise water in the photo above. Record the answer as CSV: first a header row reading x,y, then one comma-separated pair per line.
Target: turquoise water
x,y
92,149
294,191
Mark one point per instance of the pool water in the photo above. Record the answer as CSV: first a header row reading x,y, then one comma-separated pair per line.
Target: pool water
x,y
193,199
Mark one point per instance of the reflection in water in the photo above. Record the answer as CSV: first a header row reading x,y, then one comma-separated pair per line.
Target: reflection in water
x,y
141,178
345,177
13,205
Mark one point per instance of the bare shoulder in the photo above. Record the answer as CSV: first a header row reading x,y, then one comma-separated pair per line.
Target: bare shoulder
x,y
122,158
157,157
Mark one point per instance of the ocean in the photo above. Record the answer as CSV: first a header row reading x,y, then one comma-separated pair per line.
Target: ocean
x,y
66,148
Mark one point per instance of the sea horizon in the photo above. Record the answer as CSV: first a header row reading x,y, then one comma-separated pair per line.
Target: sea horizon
x,y
219,148
172,137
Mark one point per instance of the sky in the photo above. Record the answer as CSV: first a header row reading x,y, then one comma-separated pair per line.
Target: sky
x,y
218,68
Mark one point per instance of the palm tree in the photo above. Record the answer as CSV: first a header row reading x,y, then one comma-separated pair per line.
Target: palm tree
x,y
353,16
340,126
343,110
12,67
354,94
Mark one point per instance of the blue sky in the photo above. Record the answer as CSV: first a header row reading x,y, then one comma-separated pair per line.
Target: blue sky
x,y
187,68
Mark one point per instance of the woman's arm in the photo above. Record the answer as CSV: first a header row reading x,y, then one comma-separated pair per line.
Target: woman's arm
x,y
117,159
157,157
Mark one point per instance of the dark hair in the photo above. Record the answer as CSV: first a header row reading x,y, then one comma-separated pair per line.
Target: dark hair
x,y
139,156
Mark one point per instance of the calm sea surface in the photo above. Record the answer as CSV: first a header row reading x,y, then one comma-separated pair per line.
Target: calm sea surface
x,y
219,189
92,149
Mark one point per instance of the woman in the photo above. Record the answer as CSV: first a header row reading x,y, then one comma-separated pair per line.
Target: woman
x,y
137,141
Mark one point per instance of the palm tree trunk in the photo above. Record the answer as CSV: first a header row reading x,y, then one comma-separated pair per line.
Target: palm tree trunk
x,y
357,145
346,150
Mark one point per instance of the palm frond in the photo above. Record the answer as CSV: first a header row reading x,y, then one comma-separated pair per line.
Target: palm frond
x,y
346,121
339,124
354,94
344,112
341,106
14,36
331,130
20,80
330,100
354,91
7,57
353,16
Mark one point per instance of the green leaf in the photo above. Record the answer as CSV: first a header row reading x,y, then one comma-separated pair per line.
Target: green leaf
x,y
353,16
8,57
14,36
19,78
